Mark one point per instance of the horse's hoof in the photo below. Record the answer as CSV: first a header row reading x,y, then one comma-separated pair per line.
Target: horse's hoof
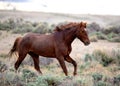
x,y
74,74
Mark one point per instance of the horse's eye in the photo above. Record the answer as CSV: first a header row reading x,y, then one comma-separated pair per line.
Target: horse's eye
x,y
82,31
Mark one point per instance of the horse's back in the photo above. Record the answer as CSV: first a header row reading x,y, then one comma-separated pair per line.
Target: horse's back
x,y
39,43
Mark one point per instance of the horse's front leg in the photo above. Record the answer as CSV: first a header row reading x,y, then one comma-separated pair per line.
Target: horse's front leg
x,y
62,64
70,60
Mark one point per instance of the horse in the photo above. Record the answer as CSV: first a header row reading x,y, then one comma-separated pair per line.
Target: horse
x,y
55,45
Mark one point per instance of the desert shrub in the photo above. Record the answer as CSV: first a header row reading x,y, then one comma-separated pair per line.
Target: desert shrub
x,y
97,76
117,55
3,67
113,29
42,28
2,55
101,36
111,35
4,26
78,82
114,39
8,24
98,80
28,75
25,27
21,26
48,80
93,38
93,27
102,57
84,66
102,83
105,57
32,84
97,35
10,79
117,80
88,57
0,33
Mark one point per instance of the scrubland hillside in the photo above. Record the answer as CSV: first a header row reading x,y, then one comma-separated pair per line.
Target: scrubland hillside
x,y
98,63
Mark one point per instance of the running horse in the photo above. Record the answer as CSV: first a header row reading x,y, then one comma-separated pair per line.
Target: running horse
x,y
55,45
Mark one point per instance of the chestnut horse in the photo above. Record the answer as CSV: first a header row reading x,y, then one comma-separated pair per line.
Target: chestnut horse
x,y
55,45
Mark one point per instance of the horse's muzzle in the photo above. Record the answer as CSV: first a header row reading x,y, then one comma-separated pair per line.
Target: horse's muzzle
x,y
87,43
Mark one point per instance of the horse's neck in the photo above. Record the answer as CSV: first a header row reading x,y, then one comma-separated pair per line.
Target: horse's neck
x,y
69,36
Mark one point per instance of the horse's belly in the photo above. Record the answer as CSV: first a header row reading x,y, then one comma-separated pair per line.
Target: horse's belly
x,y
46,51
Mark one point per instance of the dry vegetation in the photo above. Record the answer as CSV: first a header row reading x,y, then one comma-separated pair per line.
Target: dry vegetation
x,y
98,63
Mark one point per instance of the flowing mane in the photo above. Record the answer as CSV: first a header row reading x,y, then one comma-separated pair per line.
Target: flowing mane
x,y
66,26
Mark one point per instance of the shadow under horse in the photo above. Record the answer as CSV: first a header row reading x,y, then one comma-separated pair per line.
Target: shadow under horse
x,y
55,45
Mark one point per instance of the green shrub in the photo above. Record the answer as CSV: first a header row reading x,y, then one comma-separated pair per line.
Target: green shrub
x,y
84,66
48,80
113,29
0,33
102,57
2,55
4,26
101,36
116,55
93,38
8,24
111,35
10,79
32,84
42,28
88,57
105,57
21,26
93,27
24,28
115,39
28,75
97,76
117,80
78,82
3,67
101,83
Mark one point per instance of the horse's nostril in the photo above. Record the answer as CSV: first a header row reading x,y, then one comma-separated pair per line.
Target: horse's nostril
x,y
87,43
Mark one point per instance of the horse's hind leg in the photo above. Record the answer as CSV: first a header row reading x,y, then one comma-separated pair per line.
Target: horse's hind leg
x,y
70,60
35,58
20,59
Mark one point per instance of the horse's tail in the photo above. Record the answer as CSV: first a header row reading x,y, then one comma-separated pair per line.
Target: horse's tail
x,y
14,48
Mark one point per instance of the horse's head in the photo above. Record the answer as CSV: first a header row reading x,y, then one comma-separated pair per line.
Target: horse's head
x,y
82,34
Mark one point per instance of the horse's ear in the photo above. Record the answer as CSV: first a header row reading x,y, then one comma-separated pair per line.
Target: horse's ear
x,y
57,29
83,24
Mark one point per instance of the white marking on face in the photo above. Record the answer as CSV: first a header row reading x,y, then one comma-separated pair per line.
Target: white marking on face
x,y
86,30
